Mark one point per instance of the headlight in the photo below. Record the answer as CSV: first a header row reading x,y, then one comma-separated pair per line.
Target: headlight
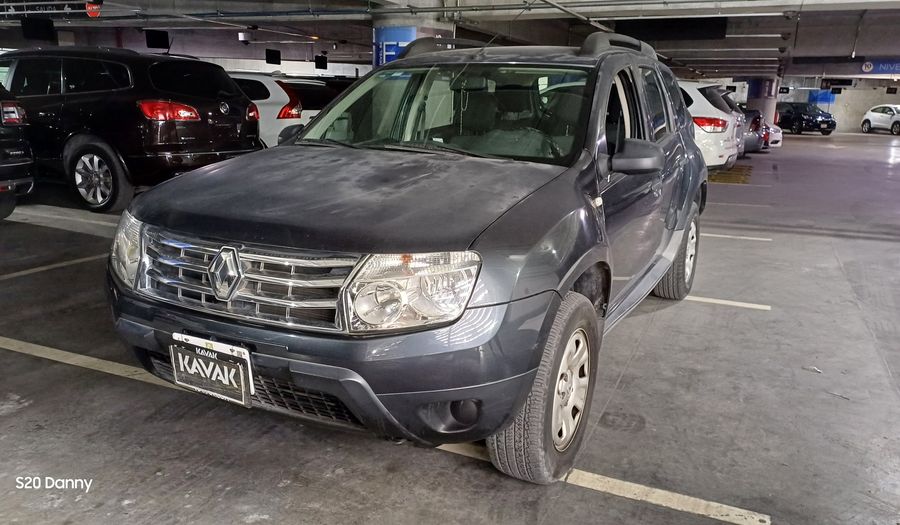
x,y
126,249
395,292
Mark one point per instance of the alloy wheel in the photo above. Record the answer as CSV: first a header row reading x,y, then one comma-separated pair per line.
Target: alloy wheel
x,y
690,252
93,179
895,129
866,127
570,393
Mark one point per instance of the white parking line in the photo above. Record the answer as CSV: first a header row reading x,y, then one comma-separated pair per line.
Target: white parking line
x,y
739,204
63,217
53,266
725,302
738,237
741,184
664,498
596,482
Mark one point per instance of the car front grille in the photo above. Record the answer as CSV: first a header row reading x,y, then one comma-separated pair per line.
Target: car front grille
x,y
273,286
283,396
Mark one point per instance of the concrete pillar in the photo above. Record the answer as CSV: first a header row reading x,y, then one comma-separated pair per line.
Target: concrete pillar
x,y
393,32
762,95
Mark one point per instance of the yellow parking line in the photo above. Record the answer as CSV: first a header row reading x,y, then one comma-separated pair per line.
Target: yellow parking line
x,y
580,478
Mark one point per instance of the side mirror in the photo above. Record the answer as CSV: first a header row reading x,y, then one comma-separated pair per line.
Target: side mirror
x,y
637,157
289,134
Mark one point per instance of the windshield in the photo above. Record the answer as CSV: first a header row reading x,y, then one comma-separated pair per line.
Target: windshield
x,y
809,108
535,114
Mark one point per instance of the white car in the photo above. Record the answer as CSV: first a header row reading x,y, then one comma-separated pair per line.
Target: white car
x,y
716,129
283,101
740,121
885,116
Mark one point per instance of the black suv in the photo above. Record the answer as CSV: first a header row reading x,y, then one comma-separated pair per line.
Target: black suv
x,y
15,154
112,119
801,116
438,255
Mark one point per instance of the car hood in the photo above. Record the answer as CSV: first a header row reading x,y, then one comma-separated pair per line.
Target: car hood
x,y
343,199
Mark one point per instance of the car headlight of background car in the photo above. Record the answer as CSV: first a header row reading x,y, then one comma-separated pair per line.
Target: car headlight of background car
x,y
396,292
126,249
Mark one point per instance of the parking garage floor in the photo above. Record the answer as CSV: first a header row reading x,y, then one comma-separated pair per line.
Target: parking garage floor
x,y
772,395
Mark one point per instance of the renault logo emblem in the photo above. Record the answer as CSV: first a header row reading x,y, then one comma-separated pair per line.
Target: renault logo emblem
x,y
224,108
225,273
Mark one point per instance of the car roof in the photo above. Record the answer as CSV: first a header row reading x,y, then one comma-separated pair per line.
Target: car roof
x,y
547,55
96,52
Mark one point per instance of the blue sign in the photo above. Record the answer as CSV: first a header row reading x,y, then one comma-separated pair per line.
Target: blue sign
x,y
821,96
881,66
390,41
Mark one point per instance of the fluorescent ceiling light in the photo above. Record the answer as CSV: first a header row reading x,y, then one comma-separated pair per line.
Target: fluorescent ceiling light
x,y
712,59
719,49
767,35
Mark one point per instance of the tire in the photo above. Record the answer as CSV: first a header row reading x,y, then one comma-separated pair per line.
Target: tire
x,y
526,448
89,160
828,132
797,128
677,282
895,128
866,127
7,204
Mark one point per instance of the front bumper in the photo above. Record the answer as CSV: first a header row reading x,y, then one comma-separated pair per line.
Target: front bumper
x,y
819,125
398,386
148,170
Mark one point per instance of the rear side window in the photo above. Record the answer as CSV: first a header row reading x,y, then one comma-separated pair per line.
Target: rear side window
x,y
37,76
675,95
254,89
712,95
193,78
656,104
5,65
687,98
313,96
83,76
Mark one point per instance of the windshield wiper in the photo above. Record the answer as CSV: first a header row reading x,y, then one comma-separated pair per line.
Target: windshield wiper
x,y
329,143
429,147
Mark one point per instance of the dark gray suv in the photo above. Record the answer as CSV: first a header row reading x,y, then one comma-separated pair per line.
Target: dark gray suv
x,y
437,256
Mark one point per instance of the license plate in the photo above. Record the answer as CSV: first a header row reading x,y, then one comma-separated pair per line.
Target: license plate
x,y
824,126
216,369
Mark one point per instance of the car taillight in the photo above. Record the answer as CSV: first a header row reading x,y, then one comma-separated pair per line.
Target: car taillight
x,y
163,110
711,125
252,112
13,114
293,108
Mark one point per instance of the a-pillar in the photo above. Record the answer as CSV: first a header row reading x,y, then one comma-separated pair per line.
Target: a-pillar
x,y
762,95
393,32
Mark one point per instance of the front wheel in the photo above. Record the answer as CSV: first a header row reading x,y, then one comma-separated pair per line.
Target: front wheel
x,y
797,128
541,443
677,282
98,176
866,126
7,204
827,132
895,128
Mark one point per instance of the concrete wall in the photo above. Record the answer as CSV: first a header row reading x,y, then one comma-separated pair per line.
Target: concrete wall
x,y
848,107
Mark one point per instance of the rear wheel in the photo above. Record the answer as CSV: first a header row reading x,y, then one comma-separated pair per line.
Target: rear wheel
x,y
677,282
98,176
543,440
7,204
895,128
866,126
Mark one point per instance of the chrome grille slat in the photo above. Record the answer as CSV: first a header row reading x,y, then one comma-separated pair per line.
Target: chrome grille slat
x,y
281,287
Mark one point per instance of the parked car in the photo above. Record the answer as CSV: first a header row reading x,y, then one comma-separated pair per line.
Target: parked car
x,y
110,120
285,101
451,275
753,136
715,125
15,154
801,116
884,117
740,121
775,136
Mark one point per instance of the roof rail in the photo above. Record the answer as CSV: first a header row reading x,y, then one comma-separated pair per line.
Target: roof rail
x,y
598,42
431,44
